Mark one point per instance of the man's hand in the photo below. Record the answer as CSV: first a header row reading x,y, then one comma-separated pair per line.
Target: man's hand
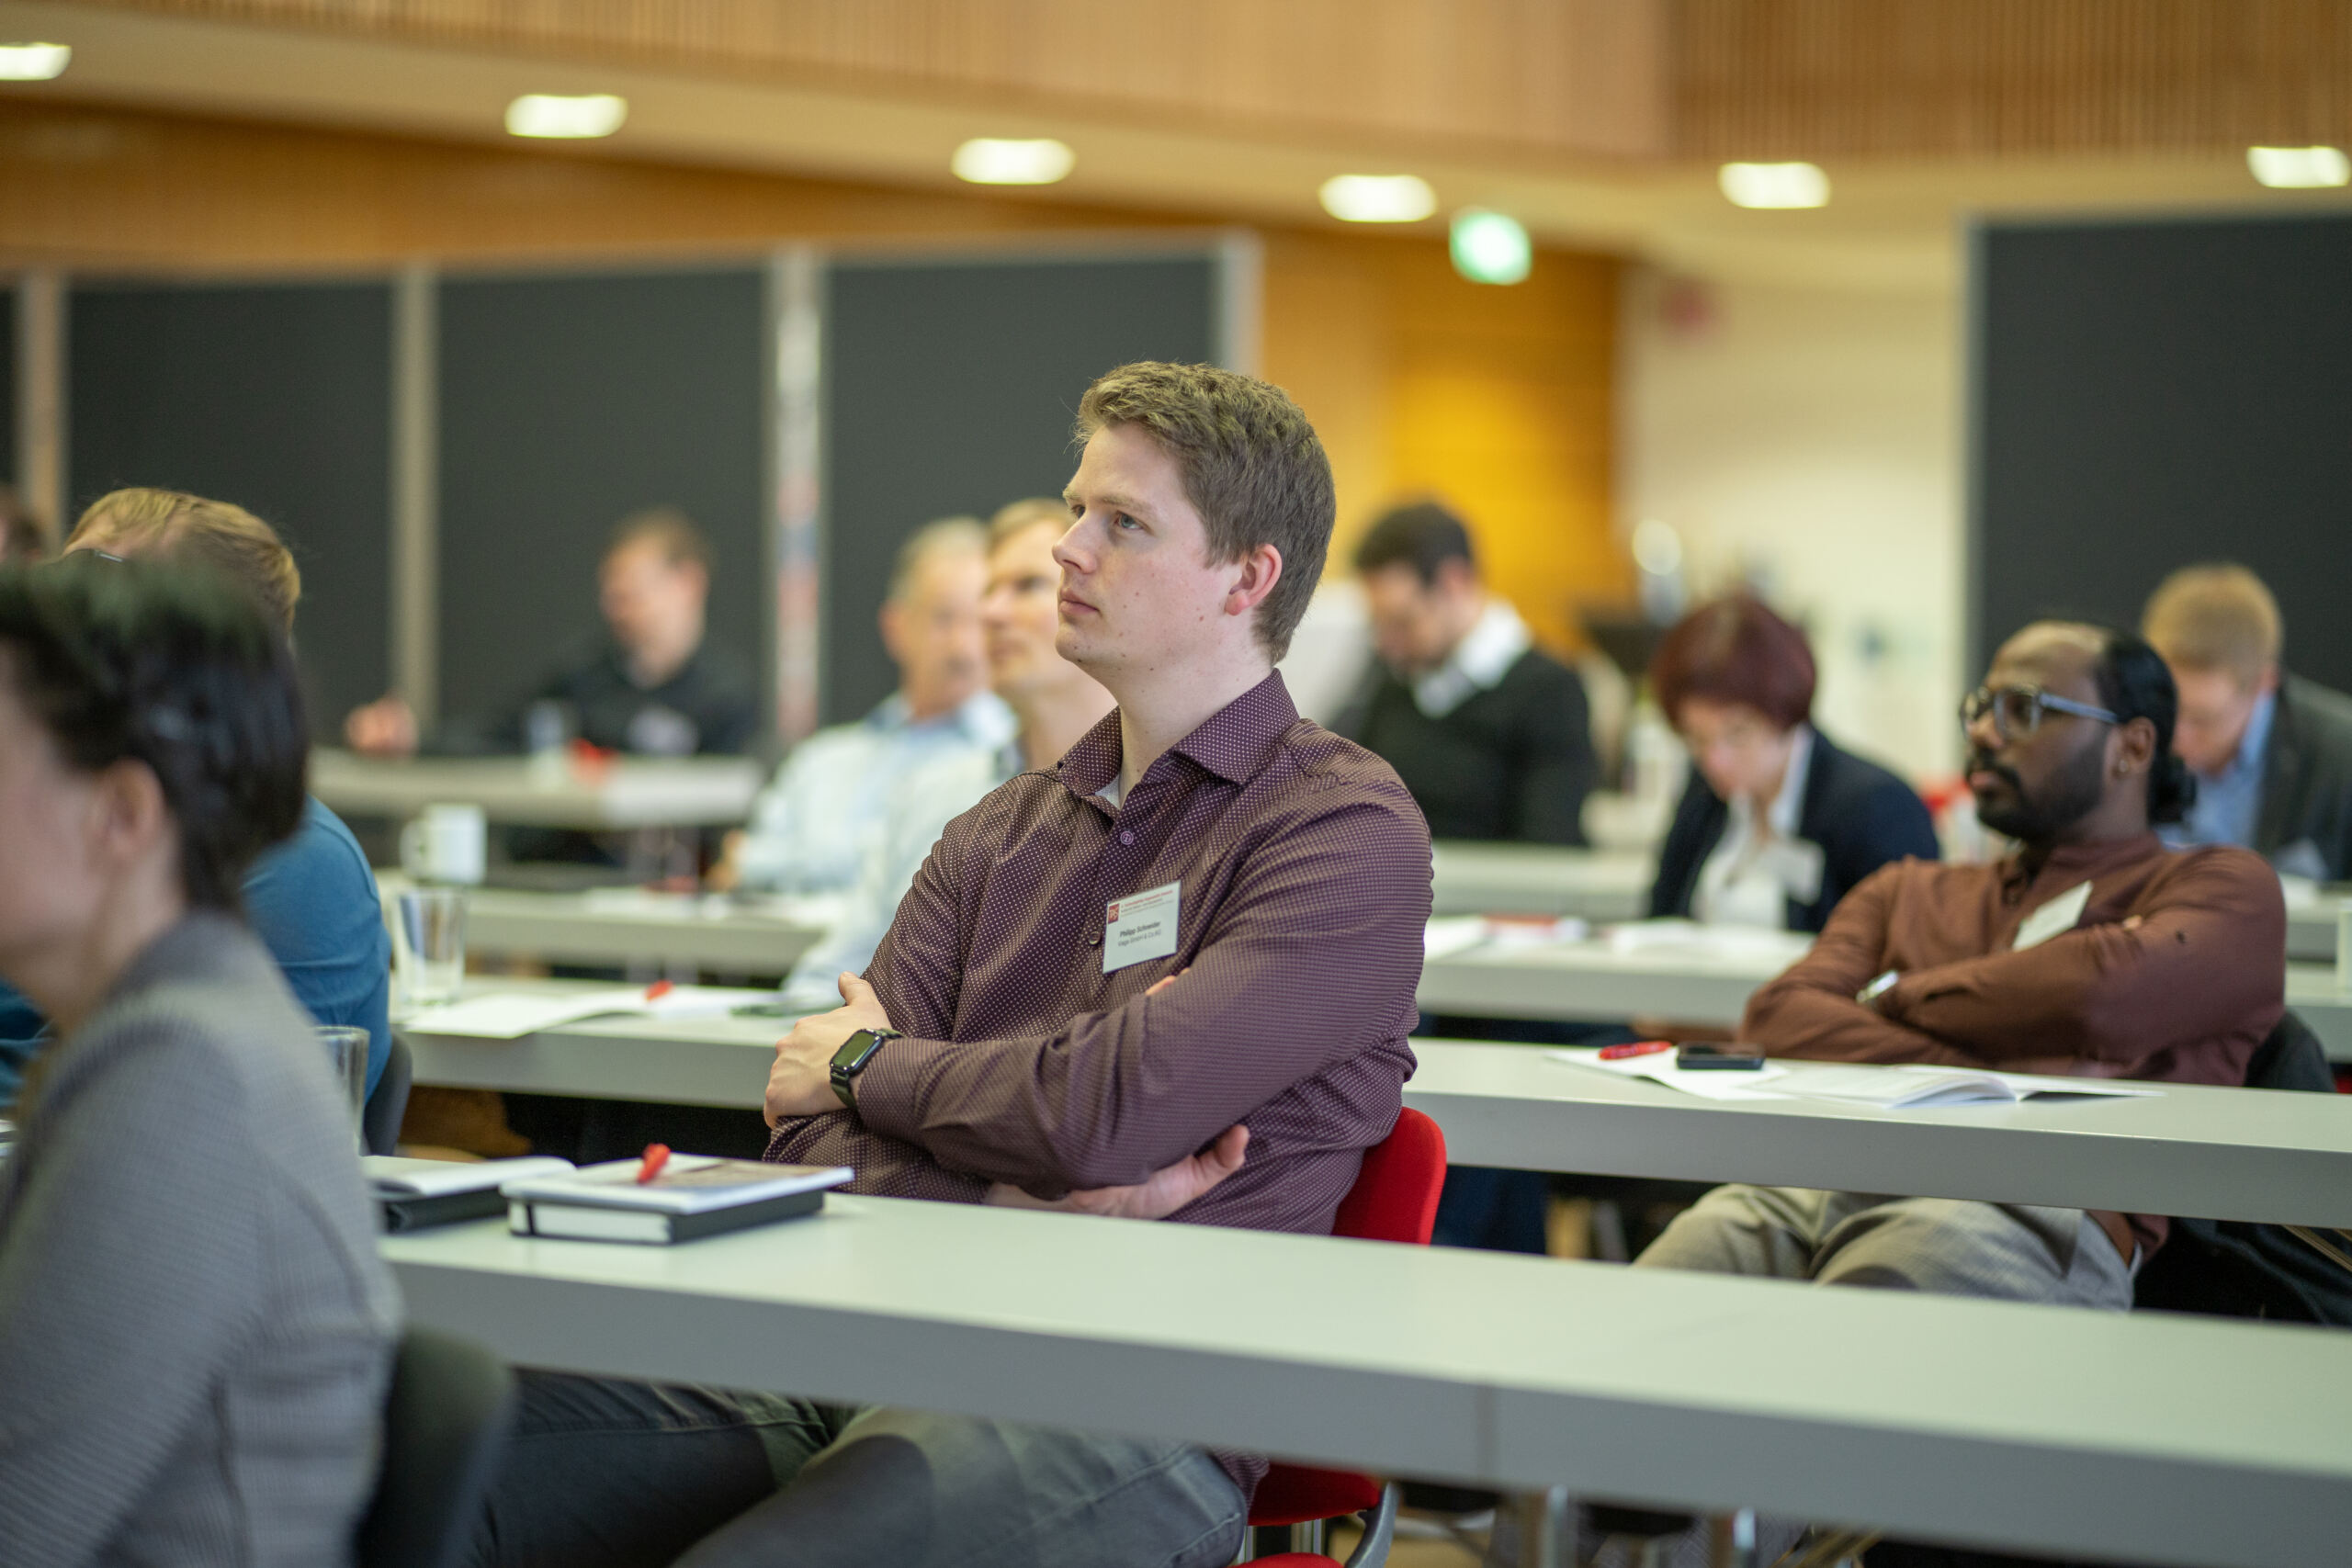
x,y
1157,1196
801,1082
385,727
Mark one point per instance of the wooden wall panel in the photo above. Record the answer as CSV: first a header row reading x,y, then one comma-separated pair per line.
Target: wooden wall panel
x,y
1820,78
1569,76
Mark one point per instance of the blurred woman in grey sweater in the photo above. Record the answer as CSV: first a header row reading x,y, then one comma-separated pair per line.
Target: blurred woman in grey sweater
x,y
195,1328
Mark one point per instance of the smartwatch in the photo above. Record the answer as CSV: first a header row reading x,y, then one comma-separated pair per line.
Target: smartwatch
x,y
856,1052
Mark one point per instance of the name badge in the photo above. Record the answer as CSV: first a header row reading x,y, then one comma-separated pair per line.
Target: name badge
x,y
1140,927
2053,918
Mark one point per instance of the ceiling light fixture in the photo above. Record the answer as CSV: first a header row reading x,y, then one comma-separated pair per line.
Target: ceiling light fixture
x,y
999,161
1774,185
568,116
34,62
1490,247
2300,169
1378,199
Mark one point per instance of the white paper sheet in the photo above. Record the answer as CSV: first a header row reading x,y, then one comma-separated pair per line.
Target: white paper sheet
x,y
511,1015
1708,1083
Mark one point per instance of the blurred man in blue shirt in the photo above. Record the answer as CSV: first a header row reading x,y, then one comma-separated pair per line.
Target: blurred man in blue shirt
x,y
312,899
2272,753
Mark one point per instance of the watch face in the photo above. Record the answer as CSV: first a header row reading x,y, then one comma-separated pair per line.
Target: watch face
x,y
857,1050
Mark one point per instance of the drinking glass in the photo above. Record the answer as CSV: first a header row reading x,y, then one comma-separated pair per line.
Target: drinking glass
x,y
429,943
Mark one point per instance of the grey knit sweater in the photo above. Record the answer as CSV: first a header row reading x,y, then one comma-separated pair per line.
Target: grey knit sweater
x,y
195,1328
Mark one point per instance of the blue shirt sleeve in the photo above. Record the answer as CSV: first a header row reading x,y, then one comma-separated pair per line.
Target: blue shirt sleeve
x,y
313,902
22,1033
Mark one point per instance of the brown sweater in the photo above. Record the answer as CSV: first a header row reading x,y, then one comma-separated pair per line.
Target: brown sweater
x,y
2184,995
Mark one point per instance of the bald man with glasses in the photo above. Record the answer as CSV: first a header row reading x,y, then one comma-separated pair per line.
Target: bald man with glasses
x,y
2091,950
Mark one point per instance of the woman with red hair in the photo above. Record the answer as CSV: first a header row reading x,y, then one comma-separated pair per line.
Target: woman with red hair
x,y
1777,822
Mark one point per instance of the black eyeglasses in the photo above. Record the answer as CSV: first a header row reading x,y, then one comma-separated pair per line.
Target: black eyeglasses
x,y
2017,710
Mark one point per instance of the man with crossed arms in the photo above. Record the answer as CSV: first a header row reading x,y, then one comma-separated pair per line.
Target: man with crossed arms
x,y
1201,929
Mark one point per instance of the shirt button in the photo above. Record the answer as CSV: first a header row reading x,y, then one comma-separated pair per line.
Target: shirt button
x,y
1094,940
1126,836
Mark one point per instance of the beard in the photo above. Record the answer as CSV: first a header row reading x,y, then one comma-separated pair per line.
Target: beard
x,y
2071,793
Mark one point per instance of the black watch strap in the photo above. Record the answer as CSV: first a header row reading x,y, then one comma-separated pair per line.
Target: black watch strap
x,y
852,1059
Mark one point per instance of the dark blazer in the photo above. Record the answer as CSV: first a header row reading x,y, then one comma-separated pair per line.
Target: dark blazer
x,y
2307,781
1860,814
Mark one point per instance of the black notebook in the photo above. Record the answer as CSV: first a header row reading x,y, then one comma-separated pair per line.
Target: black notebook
x,y
695,1195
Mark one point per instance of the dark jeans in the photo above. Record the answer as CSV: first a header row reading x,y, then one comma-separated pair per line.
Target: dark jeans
x,y
611,1475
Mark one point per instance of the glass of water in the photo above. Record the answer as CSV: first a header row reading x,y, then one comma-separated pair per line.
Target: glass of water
x,y
429,943
347,1050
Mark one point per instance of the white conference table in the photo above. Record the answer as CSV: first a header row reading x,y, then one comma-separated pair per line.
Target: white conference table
x,y
2204,1442
2312,925
627,792
624,925
1473,878
2229,1154
1593,981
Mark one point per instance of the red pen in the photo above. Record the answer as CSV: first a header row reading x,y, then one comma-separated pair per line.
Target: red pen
x,y
660,989
1641,1048
656,1156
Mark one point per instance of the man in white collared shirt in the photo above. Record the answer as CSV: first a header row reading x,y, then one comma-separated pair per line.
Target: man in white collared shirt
x,y
813,827
1490,734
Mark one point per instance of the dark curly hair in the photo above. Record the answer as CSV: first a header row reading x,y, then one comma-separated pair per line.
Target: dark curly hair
x,y
2133,683
175,667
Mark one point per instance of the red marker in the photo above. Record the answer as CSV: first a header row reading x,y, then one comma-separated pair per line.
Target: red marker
x,y
1643,1048
656,1156
660,989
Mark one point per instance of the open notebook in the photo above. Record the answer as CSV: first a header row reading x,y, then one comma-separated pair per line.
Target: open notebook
x,y
1904,1087
512,1015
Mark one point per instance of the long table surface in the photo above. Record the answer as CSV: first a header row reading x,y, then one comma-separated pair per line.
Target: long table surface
x,y
626,925
2231,1154
2312,924
1473,878
1593,980
627,792
2203,1442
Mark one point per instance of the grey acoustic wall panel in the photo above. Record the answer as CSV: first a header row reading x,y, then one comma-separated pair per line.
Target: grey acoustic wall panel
x,y
275,396
950,387
2152,394
566,402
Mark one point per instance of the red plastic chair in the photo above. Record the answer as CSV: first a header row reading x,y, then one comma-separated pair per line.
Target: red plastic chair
x,y
1395,1199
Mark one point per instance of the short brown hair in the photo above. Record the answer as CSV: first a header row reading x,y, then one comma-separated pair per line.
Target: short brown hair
x,y
681,542
175,525
1251,467
1735,650
2215,618
24,533
1020,516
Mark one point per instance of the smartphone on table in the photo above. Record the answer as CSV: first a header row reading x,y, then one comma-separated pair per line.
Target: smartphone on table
x,y
1729,1059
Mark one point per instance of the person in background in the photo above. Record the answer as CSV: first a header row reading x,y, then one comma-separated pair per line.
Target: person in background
x,y
1489,732
2272,753
2092,950
1777,822
813,827
1054,701
312,900
195,1328
24,533
650,686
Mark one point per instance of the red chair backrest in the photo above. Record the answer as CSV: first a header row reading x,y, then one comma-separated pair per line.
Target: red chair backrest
x,y
1395,1199
1395,1196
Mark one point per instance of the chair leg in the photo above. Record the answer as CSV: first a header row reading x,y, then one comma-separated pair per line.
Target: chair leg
x,y
1379,1530
1731,1539
1545,1534
1307,1537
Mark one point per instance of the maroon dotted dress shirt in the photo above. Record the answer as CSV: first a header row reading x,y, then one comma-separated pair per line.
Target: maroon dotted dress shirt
x,y
1305,873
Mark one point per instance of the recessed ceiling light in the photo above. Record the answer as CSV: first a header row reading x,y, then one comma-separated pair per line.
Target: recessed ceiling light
x,y
556,114
1378,199
1774,185
34,62
2299,168
1001,160
1490,247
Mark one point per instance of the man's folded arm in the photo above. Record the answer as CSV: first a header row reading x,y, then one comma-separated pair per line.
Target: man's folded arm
x,y
1313,957
1810,1010
2208,953
886,1166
